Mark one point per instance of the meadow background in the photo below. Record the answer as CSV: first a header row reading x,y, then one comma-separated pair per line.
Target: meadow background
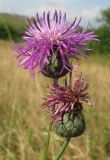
x,y
24,123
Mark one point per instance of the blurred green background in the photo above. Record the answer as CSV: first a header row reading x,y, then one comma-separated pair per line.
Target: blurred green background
x,y
13,26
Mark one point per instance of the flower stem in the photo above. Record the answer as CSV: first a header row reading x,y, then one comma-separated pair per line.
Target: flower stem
x,y
64,146
47,142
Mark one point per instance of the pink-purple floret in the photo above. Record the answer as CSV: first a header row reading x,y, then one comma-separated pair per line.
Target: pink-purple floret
x,y
45,32
63,99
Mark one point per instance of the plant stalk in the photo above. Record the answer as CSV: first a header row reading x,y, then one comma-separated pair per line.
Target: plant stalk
x,y
47,142
62,150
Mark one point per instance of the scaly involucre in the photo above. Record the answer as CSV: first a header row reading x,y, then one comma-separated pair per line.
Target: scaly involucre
x,y
64,99
47,32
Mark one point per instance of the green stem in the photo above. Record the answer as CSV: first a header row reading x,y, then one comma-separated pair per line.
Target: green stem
x,y
47,142
45,155
64,146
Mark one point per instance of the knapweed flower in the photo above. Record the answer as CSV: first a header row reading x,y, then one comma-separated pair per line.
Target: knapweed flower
x,y
52,39
66,104
63,99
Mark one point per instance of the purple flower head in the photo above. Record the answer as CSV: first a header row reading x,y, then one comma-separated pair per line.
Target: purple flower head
x,y
64,99
49,35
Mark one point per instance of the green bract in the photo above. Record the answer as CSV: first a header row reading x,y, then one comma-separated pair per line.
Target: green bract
x,y
72,124
54,68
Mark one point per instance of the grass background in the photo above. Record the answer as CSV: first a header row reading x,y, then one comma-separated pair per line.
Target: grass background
x,y
24,123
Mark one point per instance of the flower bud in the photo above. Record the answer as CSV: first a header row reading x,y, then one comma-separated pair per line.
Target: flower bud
x,y
72,124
